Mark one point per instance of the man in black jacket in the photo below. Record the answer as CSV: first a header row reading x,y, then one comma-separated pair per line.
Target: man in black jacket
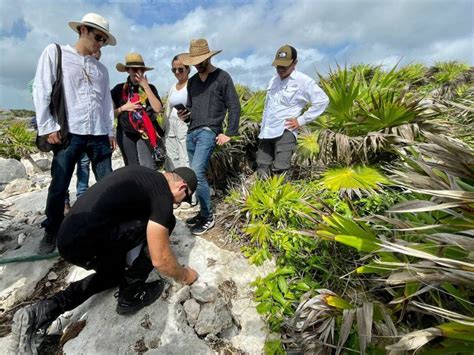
x,y
211,94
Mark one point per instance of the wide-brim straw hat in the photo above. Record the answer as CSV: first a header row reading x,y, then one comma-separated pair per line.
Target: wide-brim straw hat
x,y
95,21
198,52
132,60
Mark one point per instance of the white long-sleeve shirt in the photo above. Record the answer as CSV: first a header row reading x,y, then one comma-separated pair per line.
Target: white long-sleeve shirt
x,y
286,99
86,88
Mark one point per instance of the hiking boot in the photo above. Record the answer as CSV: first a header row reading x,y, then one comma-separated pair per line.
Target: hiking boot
x,y
203,226
29,326
194,220
47,244
146,294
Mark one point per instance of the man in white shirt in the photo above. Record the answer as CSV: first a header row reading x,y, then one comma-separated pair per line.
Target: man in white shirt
x,y
288,93
89,110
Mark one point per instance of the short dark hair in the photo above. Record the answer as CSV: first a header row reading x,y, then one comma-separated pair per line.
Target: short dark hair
x,y
294,53
88,28
176,57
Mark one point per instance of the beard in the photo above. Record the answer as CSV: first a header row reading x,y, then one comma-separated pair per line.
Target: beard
x,y
202,67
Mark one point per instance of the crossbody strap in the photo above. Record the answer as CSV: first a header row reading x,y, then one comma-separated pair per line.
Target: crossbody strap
x,y
59,71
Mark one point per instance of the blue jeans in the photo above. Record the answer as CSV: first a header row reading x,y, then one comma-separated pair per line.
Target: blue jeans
x,y
99,152
200,144
82,172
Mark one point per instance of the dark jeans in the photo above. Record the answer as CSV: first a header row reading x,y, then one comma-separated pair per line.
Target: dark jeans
x,y
275,153
99,152
200,144
108,260
135,150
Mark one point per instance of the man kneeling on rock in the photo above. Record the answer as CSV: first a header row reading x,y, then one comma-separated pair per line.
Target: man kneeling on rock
x,y
132,206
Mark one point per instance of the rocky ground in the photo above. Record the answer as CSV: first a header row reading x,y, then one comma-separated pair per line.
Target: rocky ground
x,y
214,315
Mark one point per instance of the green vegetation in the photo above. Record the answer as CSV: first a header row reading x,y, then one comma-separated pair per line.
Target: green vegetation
x,y
16,140
372,230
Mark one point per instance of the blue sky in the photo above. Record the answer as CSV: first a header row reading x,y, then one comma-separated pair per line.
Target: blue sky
x,y
325,32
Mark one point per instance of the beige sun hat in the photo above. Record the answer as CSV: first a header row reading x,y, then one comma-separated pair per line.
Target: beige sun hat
x,y
95,21
132,60
198,52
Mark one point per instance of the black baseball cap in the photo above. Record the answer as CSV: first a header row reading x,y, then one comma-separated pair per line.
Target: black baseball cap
x,y
189,176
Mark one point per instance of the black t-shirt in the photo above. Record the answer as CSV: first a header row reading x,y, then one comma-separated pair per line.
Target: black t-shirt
x,y
117,98
132,193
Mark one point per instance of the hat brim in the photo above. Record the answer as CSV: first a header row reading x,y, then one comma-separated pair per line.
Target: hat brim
x,y
123,68
187,59
282,62
111,41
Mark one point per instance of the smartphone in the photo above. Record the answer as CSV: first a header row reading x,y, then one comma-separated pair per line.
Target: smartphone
x,y
180,107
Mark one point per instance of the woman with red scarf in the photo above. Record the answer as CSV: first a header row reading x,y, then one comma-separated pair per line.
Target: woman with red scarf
x,y
136,104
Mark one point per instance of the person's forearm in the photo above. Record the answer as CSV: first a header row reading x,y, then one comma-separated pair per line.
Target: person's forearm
x,y
156,104
168,266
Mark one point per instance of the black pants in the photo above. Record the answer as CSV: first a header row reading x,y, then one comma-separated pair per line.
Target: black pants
x,y
109,262
135,150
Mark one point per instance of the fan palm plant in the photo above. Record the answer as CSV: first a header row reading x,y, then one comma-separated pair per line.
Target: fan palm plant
x,y
18,141
353,180
421,254
363,113
448,72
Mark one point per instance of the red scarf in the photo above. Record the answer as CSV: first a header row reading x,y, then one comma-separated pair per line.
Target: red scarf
x,y
139,119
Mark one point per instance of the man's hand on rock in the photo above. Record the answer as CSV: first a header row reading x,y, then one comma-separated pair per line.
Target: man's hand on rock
x,y
190,275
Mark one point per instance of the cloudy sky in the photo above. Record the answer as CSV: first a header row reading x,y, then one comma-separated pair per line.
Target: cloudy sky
x,y
325,32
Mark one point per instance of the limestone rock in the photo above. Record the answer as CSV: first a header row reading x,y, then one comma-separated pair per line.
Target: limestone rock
x,y
204,293
182,295
10,169
213,318
52,276
16,187
192,308
21,238
41,160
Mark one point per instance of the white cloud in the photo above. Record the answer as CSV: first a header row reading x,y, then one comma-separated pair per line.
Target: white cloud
x,y
248,32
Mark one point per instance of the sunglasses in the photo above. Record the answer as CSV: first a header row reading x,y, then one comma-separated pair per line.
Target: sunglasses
x,y
99,38
177,70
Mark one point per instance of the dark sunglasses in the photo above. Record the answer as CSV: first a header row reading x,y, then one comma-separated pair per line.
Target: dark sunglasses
x,y
179,70
100,38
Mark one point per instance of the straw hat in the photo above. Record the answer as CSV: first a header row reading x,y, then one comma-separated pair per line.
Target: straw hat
x,y
132,60
198,52
97,22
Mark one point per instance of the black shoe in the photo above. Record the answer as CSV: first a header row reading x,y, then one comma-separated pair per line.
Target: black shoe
x,y
47,244
145,295
194,220
30,325
203,226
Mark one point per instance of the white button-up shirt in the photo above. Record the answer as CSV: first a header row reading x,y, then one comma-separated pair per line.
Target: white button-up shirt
x,y
87,91
286,99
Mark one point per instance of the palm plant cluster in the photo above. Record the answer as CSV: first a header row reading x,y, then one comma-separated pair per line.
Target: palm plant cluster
x,y
17,140
373,231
